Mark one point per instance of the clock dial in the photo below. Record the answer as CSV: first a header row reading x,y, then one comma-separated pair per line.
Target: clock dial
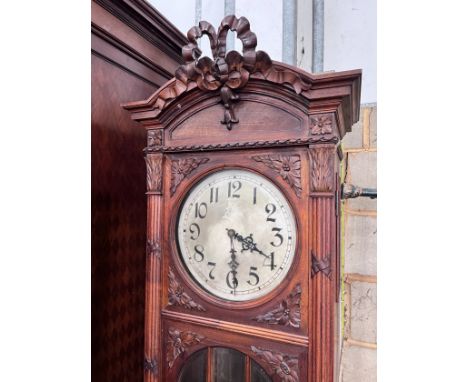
x,y
237,235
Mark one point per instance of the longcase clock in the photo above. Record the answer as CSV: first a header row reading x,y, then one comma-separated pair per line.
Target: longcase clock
x,y
242,279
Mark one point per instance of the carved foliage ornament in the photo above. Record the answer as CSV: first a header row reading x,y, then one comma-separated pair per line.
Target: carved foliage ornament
x,y
287,313
321,124
153,172
178,296
181,168
321,265
227,72
155,139
150,365
284,366
321,177
178,342
153,248
287,166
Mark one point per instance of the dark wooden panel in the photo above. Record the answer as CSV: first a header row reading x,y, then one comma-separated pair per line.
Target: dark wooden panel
x,y
129,61
118,227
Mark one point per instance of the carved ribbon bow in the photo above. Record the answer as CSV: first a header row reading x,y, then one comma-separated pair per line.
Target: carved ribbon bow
x,y
226,71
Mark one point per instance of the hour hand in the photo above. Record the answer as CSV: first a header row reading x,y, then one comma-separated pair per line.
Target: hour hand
x,y
247,242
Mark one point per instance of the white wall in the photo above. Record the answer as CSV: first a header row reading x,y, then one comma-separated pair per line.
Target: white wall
x,y
351,41
179,13
350,31
265,18
266,21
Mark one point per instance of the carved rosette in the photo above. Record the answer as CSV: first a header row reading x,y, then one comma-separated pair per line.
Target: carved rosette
x,y
153,248
321,265
178,342
178,296
321,124
322,172
150,365
155,139
287,313
287,166
284,366
181,168
153,172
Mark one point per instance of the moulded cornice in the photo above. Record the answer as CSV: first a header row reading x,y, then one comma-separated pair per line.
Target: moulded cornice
x,y
338,88
230,75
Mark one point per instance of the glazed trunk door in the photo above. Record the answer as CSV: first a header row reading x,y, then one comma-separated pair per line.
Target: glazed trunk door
x,y
222,365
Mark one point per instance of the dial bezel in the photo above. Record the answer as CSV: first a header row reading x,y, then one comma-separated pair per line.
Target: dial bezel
x,y
181,265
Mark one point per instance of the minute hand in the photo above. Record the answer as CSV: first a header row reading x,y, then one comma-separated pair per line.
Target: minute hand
x,y
248,244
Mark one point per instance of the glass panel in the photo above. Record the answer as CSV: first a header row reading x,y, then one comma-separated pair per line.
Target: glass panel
x,y
228,365
194,369
257,374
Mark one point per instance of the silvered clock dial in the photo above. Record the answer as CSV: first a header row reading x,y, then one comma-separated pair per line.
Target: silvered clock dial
x,y
236,234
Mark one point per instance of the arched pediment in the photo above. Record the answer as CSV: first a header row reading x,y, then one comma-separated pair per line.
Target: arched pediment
x,y
239,98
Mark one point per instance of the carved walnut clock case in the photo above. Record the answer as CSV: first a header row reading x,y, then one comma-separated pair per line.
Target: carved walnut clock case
x,y
243,267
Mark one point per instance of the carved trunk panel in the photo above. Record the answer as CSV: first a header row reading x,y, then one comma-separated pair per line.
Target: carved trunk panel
x,y
287,313
178,342
282,365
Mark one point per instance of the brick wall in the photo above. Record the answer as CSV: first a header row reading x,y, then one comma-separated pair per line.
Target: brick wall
x,y
359,352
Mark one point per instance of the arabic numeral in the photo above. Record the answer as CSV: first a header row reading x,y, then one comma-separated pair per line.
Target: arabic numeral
x,y
233,189
270,262
214,195
278,235
201,210
210,264
270,209
231,281
195,229
253,274
198,255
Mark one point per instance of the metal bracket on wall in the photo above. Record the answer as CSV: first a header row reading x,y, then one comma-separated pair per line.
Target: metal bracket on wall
x,y
349,191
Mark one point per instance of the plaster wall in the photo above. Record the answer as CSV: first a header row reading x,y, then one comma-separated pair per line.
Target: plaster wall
x,y
351,41
359,252
265,16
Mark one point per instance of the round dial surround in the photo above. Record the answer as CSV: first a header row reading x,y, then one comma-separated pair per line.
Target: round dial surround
x,y
236,234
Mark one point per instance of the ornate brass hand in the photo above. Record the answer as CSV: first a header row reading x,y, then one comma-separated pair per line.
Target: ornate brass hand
x,y
233,264
247,242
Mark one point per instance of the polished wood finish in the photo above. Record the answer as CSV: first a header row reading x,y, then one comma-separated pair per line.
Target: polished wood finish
x,y
286,125
126,64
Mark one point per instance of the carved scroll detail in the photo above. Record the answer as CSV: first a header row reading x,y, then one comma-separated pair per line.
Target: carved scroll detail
x,y
153,248
321,124
178,296
287,166
321,177
284,366
321,265
178,342
287,313
181,168
153,172
150,365
155,139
